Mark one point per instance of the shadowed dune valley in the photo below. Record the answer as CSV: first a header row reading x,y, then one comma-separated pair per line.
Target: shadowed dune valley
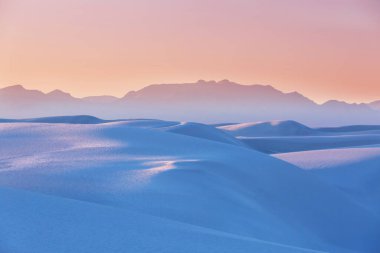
x,y
189,126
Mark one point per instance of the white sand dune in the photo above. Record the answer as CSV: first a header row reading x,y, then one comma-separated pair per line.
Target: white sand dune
x,y
289,136
34,223
185,128
273,145
268,128
194,181
356,171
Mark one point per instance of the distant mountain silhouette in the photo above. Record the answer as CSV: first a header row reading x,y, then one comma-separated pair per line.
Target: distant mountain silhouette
x,y
343,106
211,91
375,105
203,101
100,99
17,93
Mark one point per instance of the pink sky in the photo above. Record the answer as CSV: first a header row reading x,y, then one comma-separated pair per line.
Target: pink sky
x,y
321,48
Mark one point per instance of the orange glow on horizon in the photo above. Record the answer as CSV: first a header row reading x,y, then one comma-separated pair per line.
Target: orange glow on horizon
x,y
328,49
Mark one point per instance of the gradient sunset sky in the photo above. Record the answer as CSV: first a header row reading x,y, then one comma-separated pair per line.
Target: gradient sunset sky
x,y
322,48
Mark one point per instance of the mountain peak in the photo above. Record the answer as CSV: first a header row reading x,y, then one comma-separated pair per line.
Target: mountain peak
x,y
334,102
224,81
19,91
201,81
16,87
57,92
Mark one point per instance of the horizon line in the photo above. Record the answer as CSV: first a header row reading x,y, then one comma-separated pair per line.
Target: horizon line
x,y
318,102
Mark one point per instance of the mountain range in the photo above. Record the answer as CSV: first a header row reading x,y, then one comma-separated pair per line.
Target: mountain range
x,y
202,101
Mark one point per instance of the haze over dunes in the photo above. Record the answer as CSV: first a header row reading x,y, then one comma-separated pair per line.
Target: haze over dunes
x,y
202,101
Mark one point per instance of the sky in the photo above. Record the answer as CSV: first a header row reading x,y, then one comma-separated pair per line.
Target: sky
x,y
324,49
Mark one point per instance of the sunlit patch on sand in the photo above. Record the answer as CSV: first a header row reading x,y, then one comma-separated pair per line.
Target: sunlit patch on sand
x,y
133,179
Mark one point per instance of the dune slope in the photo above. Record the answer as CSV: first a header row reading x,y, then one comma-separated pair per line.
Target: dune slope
x,y
354,170
196,181
268,128
39,223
